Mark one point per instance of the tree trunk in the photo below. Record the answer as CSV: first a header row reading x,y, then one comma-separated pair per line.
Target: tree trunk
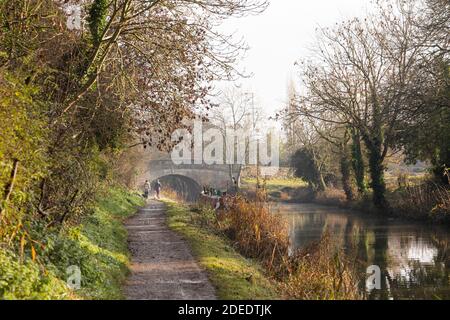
x,y
358,163
238,177
346,173
377,176
374,141
322,186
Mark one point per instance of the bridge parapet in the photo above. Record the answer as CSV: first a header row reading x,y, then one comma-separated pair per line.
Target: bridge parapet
x,y
216,176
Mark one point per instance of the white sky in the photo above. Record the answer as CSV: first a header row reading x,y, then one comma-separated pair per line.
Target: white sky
x,y
279,37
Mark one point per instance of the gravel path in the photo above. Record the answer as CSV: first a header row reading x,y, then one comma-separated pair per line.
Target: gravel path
x,y
162,266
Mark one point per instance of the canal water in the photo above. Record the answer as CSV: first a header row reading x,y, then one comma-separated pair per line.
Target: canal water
x,y
414,259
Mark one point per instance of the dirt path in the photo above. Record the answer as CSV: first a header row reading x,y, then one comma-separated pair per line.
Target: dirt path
x,y
162,266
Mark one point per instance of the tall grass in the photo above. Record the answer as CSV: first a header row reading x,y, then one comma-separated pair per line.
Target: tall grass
x,y
331,197
258,233
319,272
427,200
233,276
171,194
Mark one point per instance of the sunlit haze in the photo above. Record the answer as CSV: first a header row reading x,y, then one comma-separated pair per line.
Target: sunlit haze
x,y
279,37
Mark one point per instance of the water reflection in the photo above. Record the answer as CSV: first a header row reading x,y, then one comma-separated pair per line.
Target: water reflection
x,y
414,259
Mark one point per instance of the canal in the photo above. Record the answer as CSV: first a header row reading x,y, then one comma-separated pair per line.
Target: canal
x,y
414,259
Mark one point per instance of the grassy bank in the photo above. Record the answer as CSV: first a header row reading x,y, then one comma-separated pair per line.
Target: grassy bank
x,y
245,251
426,202
234,277
279,189
421,200
97,246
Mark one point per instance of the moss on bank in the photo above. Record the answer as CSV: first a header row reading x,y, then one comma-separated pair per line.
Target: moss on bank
x,y
97,246
233,276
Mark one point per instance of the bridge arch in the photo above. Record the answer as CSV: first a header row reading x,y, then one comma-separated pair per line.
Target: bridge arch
x,y
185,187
214,176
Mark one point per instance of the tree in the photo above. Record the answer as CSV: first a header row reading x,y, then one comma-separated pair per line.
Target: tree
x,y
428,134
290,123
230,115
313,159
357,159
361,77
428,131
324,141
134,71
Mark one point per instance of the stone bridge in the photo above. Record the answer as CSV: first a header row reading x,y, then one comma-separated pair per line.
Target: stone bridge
x,y
190,178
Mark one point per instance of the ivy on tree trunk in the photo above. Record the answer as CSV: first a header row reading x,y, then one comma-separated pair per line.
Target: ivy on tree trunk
x,y
358,162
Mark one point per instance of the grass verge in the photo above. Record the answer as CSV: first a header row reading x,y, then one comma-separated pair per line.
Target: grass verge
x,y
103,238
234,277
97,246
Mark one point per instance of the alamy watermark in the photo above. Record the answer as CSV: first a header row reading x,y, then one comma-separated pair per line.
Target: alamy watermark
x,y
373,280
73,274
73,12
233,147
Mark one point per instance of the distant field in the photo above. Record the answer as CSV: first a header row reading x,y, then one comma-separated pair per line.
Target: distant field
x,y
279,189
276,183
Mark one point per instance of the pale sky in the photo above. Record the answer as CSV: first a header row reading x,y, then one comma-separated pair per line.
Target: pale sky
x,y
279,37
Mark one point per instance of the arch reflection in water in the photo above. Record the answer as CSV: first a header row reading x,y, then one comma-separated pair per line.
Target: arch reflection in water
x,y
414,259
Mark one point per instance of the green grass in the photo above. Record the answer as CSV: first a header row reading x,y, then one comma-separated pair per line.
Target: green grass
x,y
98,246
233,276
103,237
279,189
25,280
276,184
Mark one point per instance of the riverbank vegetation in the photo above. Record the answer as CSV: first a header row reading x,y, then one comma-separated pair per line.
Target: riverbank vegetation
x,y
375,91
97,245
81,84
286,188
234,276
422,199
251,232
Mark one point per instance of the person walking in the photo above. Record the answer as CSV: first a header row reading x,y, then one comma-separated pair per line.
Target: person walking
x,y
146,189
158,188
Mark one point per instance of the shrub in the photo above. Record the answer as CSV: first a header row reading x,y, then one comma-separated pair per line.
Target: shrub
x,y
427,200
27,280
321,271
257,232
331,196
97,246
441,213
